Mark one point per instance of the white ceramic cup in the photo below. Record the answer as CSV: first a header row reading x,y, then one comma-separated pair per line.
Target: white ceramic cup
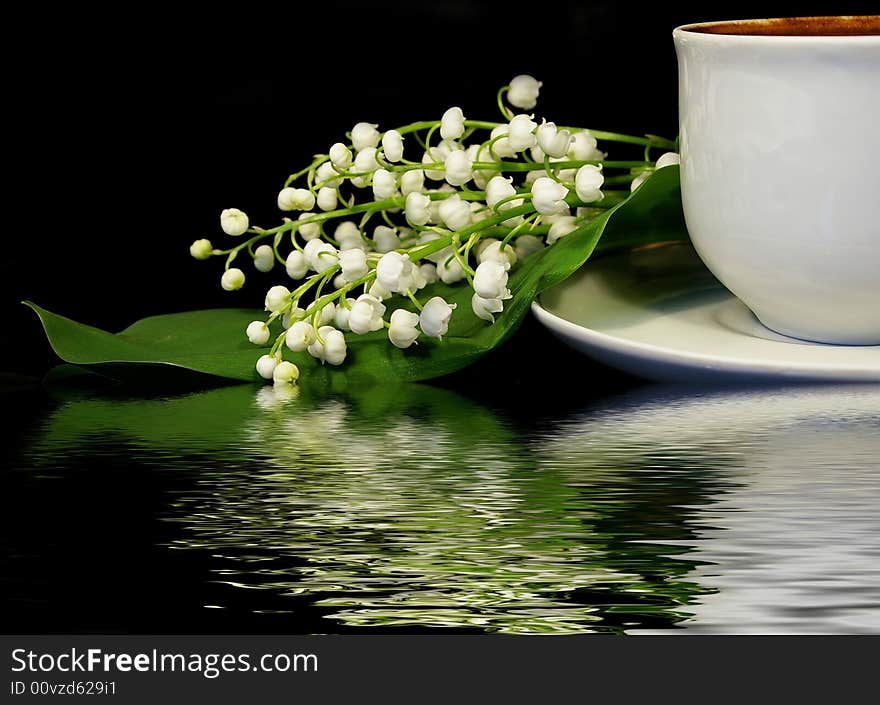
x,y
780,168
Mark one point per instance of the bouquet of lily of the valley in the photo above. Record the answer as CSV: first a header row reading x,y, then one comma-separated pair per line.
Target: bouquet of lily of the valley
x,y
406,253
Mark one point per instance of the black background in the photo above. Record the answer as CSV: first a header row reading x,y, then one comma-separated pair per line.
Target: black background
x,y
129,129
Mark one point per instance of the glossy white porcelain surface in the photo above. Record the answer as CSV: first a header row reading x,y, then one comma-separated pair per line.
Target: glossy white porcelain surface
x,y
780,171
659,314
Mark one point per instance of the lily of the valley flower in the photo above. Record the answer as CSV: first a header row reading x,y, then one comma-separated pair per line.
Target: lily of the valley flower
x,y
553,141
434,318
234,222
296,199
459,168
548,196
490,280
384,184
522,133
232,279
417,208
402,331
452,124
329,346
299,336
668,159
588,182
266,366
412,181
392,146
277,298
285,373
364,135
264,258
296,265
561,227
385,239
201,249
395,272
258,332
308,231
340,156
327,199
320,255
485,308
353,263
366,314
523,92
455,213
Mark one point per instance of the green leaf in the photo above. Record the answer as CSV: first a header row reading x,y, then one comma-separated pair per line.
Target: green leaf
x,y
213,341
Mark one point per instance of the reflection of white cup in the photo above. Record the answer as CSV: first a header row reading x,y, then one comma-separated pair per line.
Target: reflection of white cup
x,y
780,168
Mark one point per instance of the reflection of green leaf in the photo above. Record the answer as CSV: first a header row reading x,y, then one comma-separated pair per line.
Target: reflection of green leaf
x,y
213,342
407,506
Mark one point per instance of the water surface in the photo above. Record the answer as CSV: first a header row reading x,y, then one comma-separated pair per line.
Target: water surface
x,y
242,509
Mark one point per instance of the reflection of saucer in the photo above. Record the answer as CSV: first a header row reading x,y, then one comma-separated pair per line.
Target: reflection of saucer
x,y
660,314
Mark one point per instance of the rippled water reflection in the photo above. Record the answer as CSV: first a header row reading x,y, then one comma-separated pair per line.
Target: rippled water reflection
x,y
415,508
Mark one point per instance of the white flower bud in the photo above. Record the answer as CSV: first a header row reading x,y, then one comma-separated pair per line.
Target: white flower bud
x,y
327,176
340,315
561,227
366,314
548,197
309,231
234,221
428,273
394,272
412,181
299,336
384,184
378,291
668,159
522,133
501,147
553,141
353,263
385,239
417,208
533,175
365,164
588,182
639,180
258,332
403,332
490,280
329,346
264,258
277,298
232,279
296,199
201,249
450,270
340,157
528,245
266,366
285,373
523,92
327,198
452,124
296,265
583,147
485,308
326,313
500,187
434,318
320,255
493,252
392,146
455,213
459,168
348,236
364,135
339,282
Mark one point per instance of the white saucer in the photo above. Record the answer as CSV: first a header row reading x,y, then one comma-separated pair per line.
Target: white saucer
x,y
658,313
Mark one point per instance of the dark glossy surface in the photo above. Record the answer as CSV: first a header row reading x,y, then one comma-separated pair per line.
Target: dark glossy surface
x,y
239,509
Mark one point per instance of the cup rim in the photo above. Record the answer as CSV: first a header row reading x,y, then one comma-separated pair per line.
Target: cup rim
x,y
699,29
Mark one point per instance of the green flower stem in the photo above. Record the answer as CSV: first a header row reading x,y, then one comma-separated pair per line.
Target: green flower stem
x,y
505,111
518,229
456,247
415,301
316,162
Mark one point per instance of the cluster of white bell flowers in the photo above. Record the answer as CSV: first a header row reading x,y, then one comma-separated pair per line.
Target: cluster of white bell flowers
x,y
385,214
